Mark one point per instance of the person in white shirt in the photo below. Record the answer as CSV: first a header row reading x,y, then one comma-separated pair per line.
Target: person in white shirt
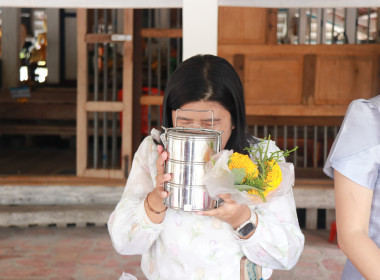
x,y
202,245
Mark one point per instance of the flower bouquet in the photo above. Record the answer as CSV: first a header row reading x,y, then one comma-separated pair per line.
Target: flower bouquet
x,y
255,179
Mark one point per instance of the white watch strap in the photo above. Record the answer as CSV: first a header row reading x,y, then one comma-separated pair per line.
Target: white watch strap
x,y
252,219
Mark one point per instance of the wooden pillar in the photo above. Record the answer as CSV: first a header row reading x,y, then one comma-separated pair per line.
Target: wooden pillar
x,y
319,29
292,26
308,78
377,36
10,47
302,23
82,86
53,49
323,21
271,38
71,56
127,126
137,79
351,28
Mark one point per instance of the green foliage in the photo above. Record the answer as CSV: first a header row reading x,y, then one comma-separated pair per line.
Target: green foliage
x,y
239,174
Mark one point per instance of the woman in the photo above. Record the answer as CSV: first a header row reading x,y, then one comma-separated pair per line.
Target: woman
x,y
202,245
354,163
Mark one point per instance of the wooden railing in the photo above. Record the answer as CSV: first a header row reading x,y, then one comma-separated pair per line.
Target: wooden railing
x,y
48,111
313,190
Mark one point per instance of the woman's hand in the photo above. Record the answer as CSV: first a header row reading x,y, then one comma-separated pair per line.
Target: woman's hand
x,y
158,194
230,212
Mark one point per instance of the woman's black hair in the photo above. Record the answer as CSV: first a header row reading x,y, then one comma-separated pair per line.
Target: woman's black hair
x,y
209,78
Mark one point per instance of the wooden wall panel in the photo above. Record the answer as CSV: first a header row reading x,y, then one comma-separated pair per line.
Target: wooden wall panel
x,y
271,32
273,80
304,80
294,80
242,25
340,79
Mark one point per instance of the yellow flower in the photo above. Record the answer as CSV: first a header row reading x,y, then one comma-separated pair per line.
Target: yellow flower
x,y
243,161
273,178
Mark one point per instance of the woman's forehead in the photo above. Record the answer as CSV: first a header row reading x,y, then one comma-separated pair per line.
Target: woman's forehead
x,y
202,108
195,116
204,115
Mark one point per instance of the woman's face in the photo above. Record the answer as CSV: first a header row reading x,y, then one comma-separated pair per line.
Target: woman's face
x,y
222,118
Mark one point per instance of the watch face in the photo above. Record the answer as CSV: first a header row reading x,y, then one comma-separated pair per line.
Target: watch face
x,y
247,229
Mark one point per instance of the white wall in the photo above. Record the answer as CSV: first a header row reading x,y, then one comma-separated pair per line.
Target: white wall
x,y
200,27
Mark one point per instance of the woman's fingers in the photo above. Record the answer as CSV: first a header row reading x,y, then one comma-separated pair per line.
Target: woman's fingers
x,y
221,210
160,148
210,213
226,198
162,156
161,177
163,194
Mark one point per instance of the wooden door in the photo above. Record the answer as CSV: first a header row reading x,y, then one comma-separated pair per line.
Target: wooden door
x,y
86,108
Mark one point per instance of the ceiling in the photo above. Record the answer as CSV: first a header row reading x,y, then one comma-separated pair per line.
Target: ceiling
x,y
179,3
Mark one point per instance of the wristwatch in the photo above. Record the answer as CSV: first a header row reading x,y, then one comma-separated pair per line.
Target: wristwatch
x,y
248,227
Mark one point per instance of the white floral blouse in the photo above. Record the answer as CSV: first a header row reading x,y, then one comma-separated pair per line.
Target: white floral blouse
x,y
189,246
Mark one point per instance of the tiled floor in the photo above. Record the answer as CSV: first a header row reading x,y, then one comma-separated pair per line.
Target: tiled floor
x,y
86,253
